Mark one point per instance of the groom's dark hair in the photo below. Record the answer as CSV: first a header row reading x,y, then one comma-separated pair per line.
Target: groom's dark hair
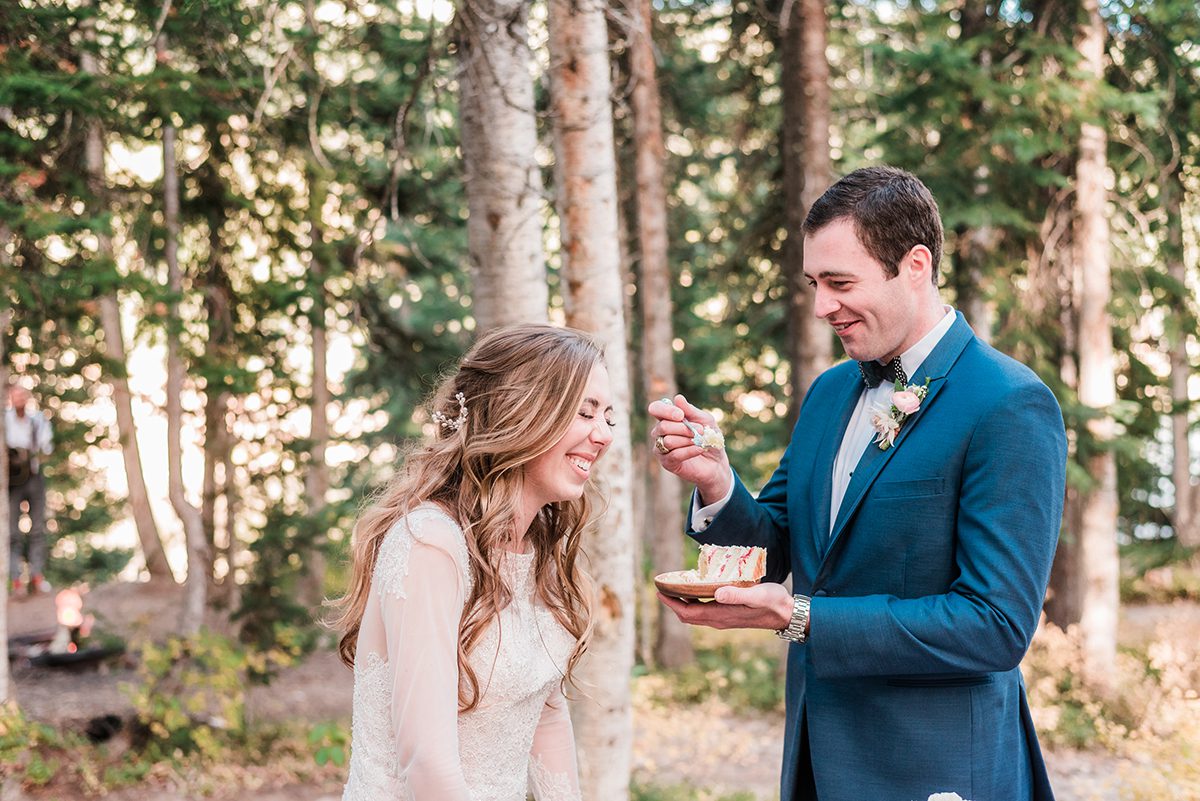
x,y
892,213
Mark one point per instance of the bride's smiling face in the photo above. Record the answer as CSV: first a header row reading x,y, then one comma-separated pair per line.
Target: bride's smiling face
x,y
560,473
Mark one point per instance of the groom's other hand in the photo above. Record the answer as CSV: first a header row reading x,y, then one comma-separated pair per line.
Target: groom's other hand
x,y
763,606
707,468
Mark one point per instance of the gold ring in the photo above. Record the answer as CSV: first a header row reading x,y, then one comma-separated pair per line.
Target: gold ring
x,y
661,446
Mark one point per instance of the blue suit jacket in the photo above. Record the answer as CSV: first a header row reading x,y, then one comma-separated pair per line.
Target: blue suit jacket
x,y
928,589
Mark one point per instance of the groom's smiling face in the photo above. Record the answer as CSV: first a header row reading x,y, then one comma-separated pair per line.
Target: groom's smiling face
x,y
874,315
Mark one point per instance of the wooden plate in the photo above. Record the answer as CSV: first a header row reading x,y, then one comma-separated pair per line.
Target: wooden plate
x,y
685,584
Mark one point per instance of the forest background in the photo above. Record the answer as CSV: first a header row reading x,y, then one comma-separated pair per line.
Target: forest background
x,y
262,231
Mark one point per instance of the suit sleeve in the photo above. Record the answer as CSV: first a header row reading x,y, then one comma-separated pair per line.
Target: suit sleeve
x,y
762,522
1009,514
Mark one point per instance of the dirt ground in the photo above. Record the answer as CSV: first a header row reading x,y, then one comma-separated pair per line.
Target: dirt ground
x,y
707,745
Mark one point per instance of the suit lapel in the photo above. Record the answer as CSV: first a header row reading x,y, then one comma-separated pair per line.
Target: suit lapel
x,y
845,400
935,367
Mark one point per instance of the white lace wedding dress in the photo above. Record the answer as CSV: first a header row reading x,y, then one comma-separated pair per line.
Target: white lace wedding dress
x,y
409,742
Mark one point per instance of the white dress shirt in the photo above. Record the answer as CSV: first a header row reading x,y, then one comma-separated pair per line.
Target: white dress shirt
x,y
859,432
31,432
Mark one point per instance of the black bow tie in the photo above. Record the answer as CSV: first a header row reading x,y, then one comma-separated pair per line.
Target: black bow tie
x,y
874,373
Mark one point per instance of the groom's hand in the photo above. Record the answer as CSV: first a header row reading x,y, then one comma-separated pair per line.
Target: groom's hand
x,y
763,606
707,468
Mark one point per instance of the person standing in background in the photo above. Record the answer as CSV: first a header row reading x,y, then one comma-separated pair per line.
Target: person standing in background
x,y
29,438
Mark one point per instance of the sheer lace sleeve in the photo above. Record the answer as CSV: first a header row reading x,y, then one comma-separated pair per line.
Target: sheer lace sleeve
x,y
423,586
553,775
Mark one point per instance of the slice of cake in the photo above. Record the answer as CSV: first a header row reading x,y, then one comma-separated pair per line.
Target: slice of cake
x,y
732,563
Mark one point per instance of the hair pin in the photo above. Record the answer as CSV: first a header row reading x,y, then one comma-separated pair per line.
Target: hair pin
x,y
455,423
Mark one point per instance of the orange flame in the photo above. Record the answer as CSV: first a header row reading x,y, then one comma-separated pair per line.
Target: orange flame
x,y
70,608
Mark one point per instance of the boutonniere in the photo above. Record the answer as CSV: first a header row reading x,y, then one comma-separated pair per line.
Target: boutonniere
x,y
906,401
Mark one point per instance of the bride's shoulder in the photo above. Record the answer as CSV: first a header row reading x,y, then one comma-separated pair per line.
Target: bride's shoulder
x,y
426,525
429,524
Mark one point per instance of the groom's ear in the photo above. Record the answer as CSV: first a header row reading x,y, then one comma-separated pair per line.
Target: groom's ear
x,y
920,264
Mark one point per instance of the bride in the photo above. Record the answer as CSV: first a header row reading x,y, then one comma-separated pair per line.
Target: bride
x,y
467,608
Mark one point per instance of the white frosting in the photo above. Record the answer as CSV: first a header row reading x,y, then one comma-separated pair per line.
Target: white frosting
x,y
732,563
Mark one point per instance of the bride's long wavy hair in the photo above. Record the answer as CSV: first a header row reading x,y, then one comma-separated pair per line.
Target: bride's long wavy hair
x,y
523,386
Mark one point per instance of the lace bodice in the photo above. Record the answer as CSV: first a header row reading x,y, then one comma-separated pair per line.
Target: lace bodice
x,y
409,741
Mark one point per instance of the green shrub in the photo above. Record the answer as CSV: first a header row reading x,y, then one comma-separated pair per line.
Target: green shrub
x,y
30,751
191,697
1155,695
1159,571
329,742
1162,585
743,677
653,792
127,773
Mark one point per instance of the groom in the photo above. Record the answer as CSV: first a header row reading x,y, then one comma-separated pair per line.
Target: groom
x,y
918,526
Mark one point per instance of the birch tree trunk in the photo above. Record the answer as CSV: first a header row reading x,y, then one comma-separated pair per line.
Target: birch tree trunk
x,y
114,348
593,296
199,561
673,640
1097,386
5,534
139,498
503,179
1186,519
807,173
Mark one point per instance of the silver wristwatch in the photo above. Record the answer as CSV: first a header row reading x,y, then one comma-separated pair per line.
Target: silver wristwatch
x,y
799,622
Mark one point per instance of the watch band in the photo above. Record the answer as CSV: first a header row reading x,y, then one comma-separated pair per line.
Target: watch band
x,y
794,631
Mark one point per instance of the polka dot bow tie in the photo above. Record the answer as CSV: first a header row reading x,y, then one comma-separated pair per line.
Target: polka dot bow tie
x,y
874,373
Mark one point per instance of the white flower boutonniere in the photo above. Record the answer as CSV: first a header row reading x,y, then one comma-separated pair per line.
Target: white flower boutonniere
x,y
906,401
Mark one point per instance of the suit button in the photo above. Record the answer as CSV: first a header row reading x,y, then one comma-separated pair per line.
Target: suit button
x,y
820,594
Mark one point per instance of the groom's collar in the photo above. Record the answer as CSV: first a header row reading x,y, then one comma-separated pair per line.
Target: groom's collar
x,y
945,351
913,358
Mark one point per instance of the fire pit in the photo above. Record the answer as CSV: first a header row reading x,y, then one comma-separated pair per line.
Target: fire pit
x,y
69,645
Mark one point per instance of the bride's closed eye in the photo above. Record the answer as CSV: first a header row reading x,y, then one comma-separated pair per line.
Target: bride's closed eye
x,y
607,418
